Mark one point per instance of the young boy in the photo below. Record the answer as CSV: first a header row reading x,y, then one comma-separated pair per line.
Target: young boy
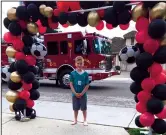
x,y
79,84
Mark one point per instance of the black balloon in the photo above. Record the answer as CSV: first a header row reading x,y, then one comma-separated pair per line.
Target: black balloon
x,y
144,60
33,10
155,105
35,84
30,113
29,77
160,91
160,55
14,86
33,69
28,40
137,122
72,18
131,60
157,28
110,17
12,67
34,94
82,19
124,17
136,99
6,22
135,88
21,67
43,20
20,104
91,4
18,115
119,6
27,50
128,7
138,75
63,17
21,13
140,46
159,126
15,28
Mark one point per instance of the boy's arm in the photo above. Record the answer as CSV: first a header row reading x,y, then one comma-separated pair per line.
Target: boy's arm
x,y
72,88
87,85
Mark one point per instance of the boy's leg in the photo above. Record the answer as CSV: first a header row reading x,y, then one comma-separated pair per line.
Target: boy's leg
x,y
76,107
83,102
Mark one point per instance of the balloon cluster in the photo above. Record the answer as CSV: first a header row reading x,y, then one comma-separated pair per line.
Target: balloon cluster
x,y
23,25
38,16
149,78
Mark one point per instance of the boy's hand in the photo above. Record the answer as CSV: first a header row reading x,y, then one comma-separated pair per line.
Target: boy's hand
x,y
78,95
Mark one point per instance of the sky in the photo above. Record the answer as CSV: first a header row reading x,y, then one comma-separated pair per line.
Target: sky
x,y
116,32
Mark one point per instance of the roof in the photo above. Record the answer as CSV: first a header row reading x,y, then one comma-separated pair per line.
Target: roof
x,y
130,34
117,44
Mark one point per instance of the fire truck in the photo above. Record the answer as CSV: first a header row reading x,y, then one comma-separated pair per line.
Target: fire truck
x,y
63,48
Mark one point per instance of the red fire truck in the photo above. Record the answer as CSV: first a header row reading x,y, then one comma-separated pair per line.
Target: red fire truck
x,y
63,48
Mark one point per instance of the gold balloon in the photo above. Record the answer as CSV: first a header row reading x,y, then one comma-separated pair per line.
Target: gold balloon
x,y
11,107
11,14
158,11
163,41
10,51
138,11
41,8
11,96
15,77
93,18
32,28
48,11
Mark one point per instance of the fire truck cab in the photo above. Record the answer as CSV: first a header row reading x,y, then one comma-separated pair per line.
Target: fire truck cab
x,y
63,48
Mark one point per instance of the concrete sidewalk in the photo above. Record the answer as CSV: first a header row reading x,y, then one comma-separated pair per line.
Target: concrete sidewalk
x,y
99,117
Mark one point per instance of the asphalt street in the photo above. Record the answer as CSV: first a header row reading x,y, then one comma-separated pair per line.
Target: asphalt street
x,y
112,92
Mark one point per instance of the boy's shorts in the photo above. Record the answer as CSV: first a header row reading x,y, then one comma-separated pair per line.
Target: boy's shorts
x,y
79,103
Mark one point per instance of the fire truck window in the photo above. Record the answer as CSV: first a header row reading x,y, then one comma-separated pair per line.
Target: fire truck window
x,y
52,48
78,46
64,47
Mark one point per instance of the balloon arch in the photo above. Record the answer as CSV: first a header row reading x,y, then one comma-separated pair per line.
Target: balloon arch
x,y
30,18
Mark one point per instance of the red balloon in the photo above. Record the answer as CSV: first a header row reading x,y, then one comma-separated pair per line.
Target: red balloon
x,y
56,12
42,29
160,79
26,86
62,6
52,24
148,84
19,56
141,37
23,24
39,23
30,103
147,119
124,27
8,37
101,12
162,115
74,5
142,24
141,107
24,94
65,25
155,69
143,96
109,26
31,60
151,46
18,44
100,25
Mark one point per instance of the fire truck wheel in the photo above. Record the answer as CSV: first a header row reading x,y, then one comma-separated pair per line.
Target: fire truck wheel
x,y
64,78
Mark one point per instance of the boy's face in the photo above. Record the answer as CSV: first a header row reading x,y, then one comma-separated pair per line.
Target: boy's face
x,y
79,64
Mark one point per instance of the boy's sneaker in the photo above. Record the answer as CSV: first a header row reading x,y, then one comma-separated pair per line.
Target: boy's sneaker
x,y
74,123
85,123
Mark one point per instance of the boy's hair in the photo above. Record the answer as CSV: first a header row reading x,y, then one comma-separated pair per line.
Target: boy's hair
x,y
79,58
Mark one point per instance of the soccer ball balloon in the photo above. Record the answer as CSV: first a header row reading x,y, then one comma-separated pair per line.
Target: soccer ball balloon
x,y
38,50
5,74
128,54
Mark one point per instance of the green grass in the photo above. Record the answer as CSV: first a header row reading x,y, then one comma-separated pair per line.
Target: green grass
x,y
133,131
